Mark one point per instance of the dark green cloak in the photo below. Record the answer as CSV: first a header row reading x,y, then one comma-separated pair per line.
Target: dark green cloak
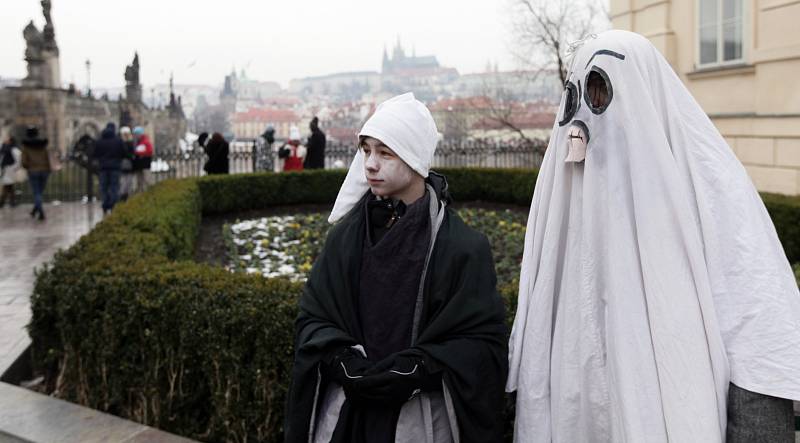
x,y
461,325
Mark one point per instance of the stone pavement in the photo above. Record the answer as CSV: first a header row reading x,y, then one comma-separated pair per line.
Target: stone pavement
x,y
25,244
26,416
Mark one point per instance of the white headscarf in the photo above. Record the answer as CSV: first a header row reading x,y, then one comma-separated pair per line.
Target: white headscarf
x,y
652,274
406,126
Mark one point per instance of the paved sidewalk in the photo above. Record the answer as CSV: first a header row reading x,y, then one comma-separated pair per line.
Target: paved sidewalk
x,y
25,244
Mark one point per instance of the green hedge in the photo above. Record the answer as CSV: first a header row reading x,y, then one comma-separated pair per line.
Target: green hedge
x,y
125,322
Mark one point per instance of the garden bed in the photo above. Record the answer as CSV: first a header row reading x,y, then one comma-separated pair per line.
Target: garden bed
x,y
284,241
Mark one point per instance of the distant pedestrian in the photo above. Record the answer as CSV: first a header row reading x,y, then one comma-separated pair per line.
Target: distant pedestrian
x,y
126,168
143,158
202,139
36,160
10,163
217,150
293,152
265,160
316,147
109,152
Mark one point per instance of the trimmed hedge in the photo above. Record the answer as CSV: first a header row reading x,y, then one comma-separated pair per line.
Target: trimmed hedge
x,y
125,322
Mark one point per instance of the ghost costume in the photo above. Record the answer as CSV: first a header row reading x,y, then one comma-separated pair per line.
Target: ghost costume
x,y
652,276
425,287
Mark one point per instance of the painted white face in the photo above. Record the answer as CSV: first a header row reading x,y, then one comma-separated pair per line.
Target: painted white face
x,y
387,174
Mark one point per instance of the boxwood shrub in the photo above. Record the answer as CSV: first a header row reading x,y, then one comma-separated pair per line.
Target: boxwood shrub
x,y
124,322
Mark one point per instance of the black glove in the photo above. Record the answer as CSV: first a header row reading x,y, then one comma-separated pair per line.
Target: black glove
x,y
346,365
398,378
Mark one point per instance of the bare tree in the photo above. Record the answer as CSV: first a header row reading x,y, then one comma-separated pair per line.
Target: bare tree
x,y
543,29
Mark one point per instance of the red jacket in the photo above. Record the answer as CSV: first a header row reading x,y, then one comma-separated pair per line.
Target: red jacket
x,y
148,147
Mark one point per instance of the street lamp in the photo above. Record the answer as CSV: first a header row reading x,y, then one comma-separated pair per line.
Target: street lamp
x,y
88,78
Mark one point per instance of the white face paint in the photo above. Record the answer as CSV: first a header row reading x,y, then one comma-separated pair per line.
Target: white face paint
x,y
387,174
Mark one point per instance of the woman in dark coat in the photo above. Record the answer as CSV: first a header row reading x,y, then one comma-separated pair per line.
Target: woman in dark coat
x,y
217,151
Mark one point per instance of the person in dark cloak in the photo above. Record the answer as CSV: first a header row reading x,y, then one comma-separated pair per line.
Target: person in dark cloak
x,y
217,150
315,159
401,333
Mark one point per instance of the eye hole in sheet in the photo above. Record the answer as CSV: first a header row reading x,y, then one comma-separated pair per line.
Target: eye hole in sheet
x,y
598,92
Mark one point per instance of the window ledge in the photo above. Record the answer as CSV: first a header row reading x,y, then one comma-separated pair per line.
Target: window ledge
x,y
721,70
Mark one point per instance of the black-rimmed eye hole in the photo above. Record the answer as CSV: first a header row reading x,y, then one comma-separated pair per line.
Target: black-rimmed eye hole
x,y
598,92
571,99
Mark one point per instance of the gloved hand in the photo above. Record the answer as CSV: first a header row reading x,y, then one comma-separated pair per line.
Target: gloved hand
x,y
398,378
346,365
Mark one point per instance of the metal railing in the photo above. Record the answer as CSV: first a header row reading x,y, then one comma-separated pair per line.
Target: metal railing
x,y
74,182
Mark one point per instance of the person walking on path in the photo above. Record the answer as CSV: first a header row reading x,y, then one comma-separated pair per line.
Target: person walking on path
x,y
126,180
109,151
294,152
10,159
142,159
36,160
217,151
316,147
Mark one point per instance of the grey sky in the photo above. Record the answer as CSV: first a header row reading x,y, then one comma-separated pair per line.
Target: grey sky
x,y
276,40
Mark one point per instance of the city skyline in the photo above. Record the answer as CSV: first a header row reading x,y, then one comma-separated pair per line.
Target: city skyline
x,y
177,39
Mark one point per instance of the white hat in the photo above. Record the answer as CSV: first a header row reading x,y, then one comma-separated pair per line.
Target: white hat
x,y
294,133
406,126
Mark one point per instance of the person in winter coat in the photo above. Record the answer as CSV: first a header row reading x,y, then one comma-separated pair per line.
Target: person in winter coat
x,y
126,167
10,164
36,160
400,335
109,152
316,147
294,152
217,150
143,157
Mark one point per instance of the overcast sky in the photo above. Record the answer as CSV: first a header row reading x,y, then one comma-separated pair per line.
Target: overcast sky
x,y
274,40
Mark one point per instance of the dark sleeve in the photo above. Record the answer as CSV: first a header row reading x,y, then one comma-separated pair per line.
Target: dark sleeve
x,y
754,417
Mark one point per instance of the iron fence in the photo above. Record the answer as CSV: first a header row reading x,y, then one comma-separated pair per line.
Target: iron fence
x,y
75,181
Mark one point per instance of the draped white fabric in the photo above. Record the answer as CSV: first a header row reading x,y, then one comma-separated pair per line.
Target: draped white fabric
x,y
652,274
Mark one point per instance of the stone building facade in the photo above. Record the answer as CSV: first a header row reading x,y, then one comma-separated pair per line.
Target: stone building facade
x,y
740,59
65,115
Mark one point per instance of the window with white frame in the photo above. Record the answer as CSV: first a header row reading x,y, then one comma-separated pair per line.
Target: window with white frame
x,y
720,27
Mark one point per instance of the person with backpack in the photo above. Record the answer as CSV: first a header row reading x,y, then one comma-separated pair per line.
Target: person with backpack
x,y
10,157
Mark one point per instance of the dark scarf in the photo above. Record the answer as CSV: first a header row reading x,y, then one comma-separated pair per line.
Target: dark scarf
x,y
397,241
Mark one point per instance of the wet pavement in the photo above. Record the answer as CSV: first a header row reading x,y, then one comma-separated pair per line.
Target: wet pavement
x,y
25,244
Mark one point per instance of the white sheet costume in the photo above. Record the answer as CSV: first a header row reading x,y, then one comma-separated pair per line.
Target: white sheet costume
x,y
652,275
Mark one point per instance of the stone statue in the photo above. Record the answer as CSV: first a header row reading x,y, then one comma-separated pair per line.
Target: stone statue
x,y
34,42
132,71
49,30
46,10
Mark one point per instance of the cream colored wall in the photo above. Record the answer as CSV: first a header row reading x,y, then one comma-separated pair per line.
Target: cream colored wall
x,y
756,105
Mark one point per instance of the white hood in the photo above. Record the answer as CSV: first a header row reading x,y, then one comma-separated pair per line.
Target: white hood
x,y
652,274
405,125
